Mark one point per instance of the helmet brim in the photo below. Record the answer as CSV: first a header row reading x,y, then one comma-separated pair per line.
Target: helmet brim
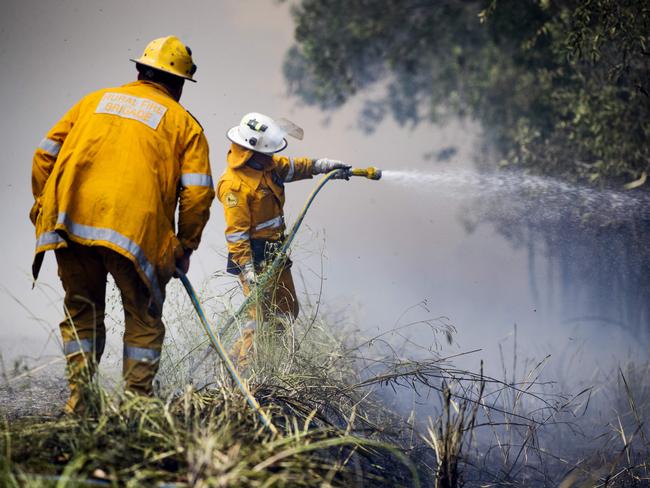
x,y
233,136
152,65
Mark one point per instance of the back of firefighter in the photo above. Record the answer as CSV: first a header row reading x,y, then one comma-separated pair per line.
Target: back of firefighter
x,y
252,193
107,180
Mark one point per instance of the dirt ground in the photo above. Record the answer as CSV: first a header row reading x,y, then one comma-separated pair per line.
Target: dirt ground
x,y
41,395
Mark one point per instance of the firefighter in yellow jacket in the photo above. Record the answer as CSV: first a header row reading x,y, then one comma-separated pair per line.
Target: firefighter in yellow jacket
x,y
252,193
107,180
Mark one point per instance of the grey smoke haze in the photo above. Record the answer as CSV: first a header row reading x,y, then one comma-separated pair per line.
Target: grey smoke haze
x,y
386,247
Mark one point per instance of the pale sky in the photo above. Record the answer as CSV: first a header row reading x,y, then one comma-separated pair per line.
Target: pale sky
x,y
387,247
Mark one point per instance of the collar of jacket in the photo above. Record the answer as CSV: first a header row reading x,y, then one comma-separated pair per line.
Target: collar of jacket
x,y
237,158
151,84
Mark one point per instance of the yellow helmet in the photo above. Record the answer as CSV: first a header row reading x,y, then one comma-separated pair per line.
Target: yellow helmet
x,y
169,54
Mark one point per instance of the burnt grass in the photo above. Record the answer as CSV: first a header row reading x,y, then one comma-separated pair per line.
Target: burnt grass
x,y
326,397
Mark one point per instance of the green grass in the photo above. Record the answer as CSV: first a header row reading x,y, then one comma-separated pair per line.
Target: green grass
x,y
208,438
333,430
322,383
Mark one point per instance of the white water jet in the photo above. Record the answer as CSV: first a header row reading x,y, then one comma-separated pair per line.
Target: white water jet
x,y
542,198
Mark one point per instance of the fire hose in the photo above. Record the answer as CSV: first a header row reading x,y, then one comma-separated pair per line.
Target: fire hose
x,y
262,283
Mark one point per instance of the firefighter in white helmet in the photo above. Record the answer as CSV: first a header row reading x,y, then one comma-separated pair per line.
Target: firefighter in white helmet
x,y
107,180
252,193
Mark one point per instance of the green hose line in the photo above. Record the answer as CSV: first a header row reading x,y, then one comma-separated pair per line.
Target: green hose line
x,y
216,342
262,282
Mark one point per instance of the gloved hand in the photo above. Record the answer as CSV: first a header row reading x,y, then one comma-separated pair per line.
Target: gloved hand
x,y
183,263
325,165
248,273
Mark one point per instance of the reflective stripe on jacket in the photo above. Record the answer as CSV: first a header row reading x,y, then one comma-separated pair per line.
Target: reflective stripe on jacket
x,y
111,173
253,199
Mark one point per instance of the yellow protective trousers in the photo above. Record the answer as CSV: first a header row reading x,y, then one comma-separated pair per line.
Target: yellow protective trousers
x,y
279,301
83,271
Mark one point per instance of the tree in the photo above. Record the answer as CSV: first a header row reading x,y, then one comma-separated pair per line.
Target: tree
x,y
561,88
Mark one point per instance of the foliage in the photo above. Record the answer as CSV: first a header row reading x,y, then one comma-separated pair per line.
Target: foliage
x,y
323,394
331,432
561,88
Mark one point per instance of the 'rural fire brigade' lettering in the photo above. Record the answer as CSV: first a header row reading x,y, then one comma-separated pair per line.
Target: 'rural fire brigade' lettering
x,y
129,107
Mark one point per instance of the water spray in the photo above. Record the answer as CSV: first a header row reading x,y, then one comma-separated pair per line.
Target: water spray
x,y
514,193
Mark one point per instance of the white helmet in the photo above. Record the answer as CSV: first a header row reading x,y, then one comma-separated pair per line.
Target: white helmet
x,y
260,133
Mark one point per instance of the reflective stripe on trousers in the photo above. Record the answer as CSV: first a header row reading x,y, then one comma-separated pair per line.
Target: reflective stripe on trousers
x,y
83,345
141,354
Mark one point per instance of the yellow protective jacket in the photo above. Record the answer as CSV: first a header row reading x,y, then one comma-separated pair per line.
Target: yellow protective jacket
x,y
111,172
253,199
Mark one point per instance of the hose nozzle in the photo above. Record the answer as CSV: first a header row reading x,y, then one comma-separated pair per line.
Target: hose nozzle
x,y
370,172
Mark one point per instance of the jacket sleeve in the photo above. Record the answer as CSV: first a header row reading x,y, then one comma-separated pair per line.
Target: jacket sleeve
x,y
46,154
293,169
238,222
196,191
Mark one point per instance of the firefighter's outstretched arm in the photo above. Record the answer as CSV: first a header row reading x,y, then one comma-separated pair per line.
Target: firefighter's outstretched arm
x,y
293,169
196,192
